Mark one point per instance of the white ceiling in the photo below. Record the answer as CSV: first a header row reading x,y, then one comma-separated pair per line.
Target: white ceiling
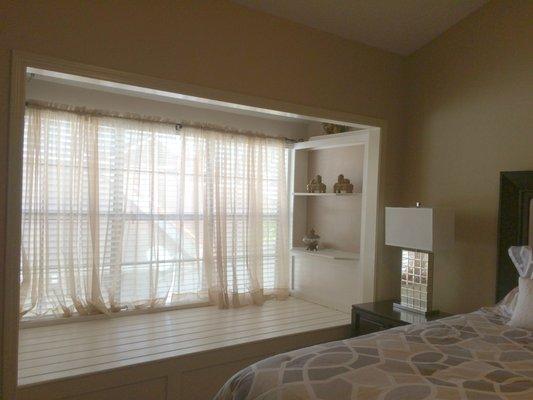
x,y
399,26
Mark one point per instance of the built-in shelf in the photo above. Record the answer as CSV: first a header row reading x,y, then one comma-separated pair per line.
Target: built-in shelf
x,y
351,138
325,253
325,194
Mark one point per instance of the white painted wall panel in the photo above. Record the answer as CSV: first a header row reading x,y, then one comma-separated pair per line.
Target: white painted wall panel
x,y
333,283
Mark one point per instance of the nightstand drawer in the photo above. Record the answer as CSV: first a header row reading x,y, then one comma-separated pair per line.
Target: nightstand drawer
x,y
364,326
368,323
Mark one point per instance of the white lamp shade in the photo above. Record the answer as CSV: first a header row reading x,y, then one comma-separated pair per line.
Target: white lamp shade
x,y
427,229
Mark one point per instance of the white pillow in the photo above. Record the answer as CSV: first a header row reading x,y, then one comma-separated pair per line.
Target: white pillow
x,y
507,305
523,312
522,257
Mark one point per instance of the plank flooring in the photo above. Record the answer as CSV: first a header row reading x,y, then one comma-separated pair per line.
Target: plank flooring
x,y
59,351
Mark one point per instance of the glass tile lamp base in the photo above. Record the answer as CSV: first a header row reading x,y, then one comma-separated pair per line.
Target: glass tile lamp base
x,y
417,282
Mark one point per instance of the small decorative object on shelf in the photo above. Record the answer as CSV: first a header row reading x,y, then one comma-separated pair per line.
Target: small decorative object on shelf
x,y
343,185
311,240
331,129
316,185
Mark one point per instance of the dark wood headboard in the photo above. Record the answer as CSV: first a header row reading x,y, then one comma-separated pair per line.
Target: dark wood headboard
x,y
516,193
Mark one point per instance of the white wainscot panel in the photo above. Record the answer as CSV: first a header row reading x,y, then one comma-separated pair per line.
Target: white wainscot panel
x,y
332,283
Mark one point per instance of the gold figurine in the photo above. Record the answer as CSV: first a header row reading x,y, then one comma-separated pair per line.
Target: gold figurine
x,y
331,129
343,185
316,185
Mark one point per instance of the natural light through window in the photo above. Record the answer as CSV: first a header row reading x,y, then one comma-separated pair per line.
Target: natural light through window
x,y
122,214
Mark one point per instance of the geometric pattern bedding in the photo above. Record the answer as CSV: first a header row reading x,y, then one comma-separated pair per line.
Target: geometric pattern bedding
x,y
472,356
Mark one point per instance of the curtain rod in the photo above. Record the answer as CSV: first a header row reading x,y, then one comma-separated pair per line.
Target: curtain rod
x,y
142,118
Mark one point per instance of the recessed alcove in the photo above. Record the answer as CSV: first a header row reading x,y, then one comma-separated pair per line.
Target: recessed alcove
x,y
65,359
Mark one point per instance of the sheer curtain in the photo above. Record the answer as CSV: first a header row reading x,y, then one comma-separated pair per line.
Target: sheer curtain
x,y
120,213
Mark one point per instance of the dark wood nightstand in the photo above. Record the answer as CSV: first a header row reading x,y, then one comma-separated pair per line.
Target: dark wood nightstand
x,y
381,315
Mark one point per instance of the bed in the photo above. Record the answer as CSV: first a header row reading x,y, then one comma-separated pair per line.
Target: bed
x,y
473,356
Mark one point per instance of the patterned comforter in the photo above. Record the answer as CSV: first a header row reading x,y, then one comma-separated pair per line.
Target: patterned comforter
x,y
473,356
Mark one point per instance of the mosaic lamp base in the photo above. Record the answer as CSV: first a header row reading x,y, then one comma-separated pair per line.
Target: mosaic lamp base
x,y
417,282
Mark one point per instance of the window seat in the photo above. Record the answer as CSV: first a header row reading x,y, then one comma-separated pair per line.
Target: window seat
x,y
67,350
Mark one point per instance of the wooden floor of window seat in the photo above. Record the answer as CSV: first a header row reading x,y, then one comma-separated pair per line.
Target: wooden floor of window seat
x,y
67,350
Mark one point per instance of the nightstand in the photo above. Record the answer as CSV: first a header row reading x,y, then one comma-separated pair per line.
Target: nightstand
x,y
381,315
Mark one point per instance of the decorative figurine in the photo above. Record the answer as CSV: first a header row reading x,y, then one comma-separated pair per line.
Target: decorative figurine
x,y
316,185
343,185
331,129
311,240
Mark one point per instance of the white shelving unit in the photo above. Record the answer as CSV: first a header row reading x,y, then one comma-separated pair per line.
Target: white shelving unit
x,y
337,221
331,254
341,273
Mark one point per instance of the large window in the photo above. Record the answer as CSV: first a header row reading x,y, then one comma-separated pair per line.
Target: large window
x,y
119,213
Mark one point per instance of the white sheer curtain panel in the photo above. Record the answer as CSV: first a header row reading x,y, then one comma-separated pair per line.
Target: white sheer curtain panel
x,y
119,213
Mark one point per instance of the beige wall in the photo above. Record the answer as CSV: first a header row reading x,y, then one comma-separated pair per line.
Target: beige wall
x,y
215,44
471,116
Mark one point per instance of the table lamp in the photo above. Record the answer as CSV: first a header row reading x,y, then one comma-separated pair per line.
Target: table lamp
x,y
420,232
